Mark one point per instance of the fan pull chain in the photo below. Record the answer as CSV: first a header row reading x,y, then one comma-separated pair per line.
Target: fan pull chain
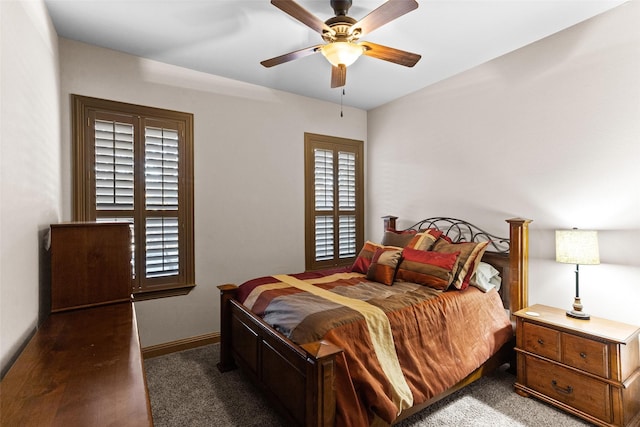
x,y
341,95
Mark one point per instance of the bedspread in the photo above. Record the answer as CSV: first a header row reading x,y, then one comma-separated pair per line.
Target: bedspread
x,y
438,337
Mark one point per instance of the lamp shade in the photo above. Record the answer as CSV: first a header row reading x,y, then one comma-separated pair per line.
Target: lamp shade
x,y
577,247
344,53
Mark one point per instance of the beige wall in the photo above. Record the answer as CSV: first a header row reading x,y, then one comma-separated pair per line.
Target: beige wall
x,y
249,166
29,167
549,132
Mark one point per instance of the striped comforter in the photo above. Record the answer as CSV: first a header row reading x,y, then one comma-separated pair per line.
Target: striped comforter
x,y
403,344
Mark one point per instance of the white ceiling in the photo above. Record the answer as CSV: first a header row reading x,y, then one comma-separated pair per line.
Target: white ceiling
x,y
229,38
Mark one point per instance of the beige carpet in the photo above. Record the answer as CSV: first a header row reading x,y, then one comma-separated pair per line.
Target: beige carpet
x,y
187,390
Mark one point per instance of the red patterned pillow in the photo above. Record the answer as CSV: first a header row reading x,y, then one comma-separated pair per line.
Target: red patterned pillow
x,y
433,269
384,265
363,260
470,256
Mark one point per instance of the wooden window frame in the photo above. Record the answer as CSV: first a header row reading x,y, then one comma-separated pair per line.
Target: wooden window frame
x,y
84,193
313,141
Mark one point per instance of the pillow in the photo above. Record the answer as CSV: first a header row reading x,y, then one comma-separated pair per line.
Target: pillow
x,y
486,278
363,260
384,265
433,269
470,256
399,239
424,240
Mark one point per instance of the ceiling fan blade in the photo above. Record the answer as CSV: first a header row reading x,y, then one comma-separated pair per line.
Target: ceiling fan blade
x,y
298,12
384,14
390,54
338,76
296,54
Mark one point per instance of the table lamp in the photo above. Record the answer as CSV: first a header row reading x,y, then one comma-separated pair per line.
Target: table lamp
x,y
577,247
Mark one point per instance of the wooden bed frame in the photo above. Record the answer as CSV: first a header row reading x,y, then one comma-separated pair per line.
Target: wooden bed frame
x,y
299,380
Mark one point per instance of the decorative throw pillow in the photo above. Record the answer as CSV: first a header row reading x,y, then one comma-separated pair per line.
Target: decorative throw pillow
x,y
433,269
399,239
384,265
470,256
424,240
363,260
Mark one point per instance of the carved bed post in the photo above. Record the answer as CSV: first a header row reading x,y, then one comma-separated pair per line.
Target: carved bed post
x,y
320,391
389,222
227,292
519,263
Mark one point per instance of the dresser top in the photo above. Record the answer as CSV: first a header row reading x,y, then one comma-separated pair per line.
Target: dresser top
x,y
608,330
82,367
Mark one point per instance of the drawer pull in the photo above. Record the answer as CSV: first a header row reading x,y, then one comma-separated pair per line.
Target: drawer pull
x,y
567,390
583,354
540,341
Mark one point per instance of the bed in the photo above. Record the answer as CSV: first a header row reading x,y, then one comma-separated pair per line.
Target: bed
x,y
334,366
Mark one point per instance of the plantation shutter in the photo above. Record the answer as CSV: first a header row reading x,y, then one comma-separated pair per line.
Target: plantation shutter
x,y
114,165
347,204
115,172
334,200
135,166
161,202
323,189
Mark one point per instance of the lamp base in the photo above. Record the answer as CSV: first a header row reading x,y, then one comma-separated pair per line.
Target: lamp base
x,y
577,312
578,315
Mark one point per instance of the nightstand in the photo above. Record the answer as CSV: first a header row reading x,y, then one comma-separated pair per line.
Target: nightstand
x,y
590,368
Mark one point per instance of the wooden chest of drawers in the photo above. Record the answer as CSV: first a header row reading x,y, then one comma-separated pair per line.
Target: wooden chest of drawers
x,y
90,264
590,368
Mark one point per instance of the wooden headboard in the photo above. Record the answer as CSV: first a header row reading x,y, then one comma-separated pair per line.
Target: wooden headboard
x,y
509,255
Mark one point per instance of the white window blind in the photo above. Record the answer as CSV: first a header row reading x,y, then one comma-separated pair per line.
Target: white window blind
x,y
324,238
346,180
161,169
347,233
161,194
114,165
115,189
347,202
162,247
338,229
323,183
115,174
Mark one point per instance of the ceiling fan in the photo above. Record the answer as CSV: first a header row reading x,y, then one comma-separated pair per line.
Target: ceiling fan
x,y
341,34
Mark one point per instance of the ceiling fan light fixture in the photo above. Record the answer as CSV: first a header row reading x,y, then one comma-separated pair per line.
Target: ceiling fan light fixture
x,y
345,53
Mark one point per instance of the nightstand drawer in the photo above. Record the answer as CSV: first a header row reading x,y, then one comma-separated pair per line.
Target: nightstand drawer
x,y
585,354
542,341
583,393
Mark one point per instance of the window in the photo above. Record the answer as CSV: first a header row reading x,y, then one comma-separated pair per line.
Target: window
x,y
135,164
334,202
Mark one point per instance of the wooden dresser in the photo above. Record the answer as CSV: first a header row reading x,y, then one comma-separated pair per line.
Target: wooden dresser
x,y
590,368
83,366
90,264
